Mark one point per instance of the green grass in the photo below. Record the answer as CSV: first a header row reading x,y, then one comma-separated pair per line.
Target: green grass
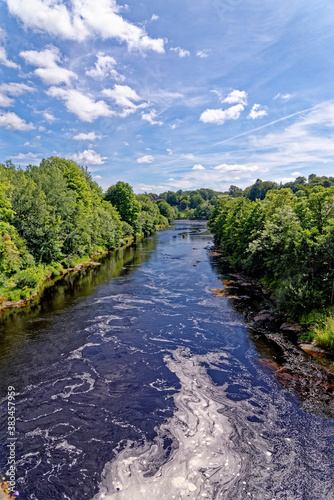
x,y
321,331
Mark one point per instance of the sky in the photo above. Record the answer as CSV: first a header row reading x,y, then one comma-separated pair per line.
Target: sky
x,y
168,95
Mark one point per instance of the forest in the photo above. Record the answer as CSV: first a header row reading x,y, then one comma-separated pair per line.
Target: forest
x,y
54,215
284,237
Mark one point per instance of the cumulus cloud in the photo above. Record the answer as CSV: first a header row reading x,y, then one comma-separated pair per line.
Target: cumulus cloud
x,y
180,52
49,117
11,121
151,118
83,106
123,95
90,136
104,68
5,61
12,89
257,111
236,97
154,17
82,19
198,167
202,53
47,68
219,116
88,157
145,159
126,98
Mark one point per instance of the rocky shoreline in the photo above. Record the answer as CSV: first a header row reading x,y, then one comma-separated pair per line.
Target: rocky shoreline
x,y
297,364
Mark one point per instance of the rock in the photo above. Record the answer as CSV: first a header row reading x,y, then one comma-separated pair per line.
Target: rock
x,y
263,318
289,327
313,350
219,292
7,303
93,263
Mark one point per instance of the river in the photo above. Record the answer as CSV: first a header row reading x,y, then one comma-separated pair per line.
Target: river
x,y
134,381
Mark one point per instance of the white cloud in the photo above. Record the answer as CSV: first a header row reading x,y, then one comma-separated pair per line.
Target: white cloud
x,y
47,68
12,89
104,68
188,156
88,157
154,17
236,97
5,61
11,121
91,136
82,19
81,105
49,117
145,159
219,116
296,174
217,178
123,95
257,111
224,167
202,53
27,156
198,167
151,118
181,52
284,97
97,177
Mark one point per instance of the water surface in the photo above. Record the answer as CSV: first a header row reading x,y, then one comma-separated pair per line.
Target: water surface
x,y
135,381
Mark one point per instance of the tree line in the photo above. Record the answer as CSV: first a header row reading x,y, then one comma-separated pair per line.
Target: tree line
x,y
286,241
55,215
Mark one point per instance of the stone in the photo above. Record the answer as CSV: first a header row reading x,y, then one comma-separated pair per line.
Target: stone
x,y
290,327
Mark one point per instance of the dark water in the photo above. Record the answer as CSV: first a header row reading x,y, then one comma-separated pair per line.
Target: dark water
x,y
135,381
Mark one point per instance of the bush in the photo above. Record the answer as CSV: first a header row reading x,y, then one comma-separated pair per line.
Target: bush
x,y
29,278
323,332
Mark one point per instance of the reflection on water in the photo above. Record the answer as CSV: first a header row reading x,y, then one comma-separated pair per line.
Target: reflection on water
x,y
135,381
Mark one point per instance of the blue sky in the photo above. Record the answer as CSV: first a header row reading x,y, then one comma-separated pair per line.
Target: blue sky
x,y
170,95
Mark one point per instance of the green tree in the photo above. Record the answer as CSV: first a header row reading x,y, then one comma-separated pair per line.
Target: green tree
x,y
123,198
166,210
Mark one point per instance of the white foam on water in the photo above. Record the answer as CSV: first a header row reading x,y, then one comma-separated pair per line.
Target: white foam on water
x,y
202,454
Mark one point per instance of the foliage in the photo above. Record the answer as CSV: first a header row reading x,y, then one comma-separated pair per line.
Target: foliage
x,y
123,198
285,240
165,210
55,213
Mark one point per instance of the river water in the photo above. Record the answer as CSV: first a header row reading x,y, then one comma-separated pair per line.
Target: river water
x,y
134,381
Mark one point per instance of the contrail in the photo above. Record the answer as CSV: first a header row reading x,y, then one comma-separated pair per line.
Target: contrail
x,y
264,126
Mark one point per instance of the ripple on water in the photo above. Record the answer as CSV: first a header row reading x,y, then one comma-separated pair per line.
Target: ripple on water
x,y
202,461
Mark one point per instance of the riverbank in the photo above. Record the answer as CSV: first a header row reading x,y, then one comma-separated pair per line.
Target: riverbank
x,y
55,273
258,307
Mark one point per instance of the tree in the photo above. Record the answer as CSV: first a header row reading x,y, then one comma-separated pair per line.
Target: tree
x,y
166,210
123,198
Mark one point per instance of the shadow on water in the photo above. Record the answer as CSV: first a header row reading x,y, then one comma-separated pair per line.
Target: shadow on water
x,y
310,379
31,321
